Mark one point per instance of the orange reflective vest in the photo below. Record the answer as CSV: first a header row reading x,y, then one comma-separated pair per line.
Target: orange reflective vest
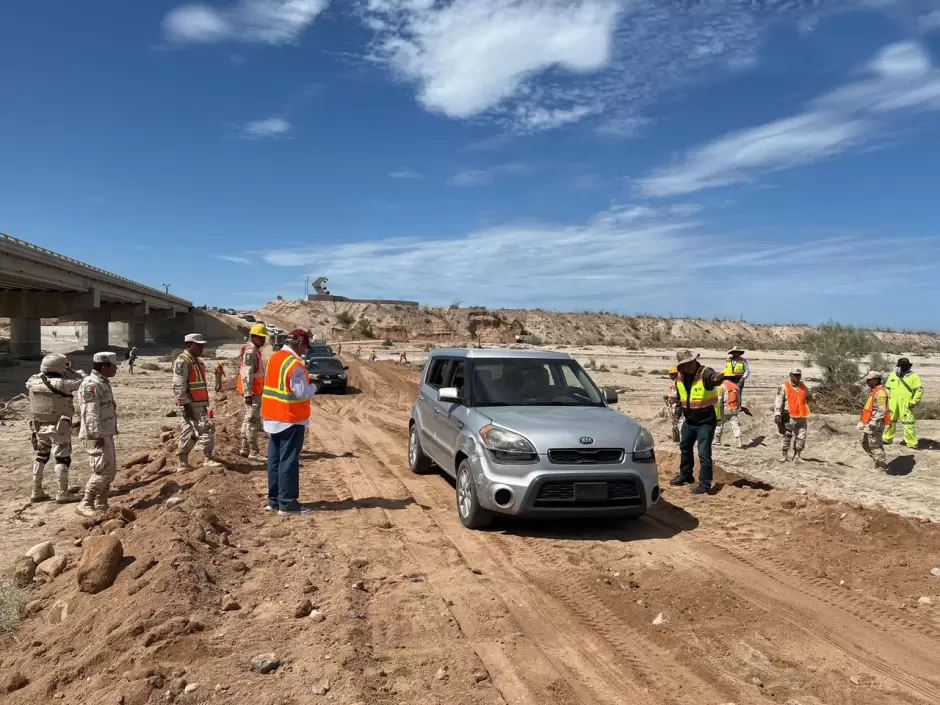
x,y
870,404
257,380
278,402
731,394
796,401
197,379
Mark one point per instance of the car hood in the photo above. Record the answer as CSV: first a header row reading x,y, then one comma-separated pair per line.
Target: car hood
x,y
563,427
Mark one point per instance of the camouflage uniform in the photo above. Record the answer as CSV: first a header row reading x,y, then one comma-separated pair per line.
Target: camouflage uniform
x,y
872,441
729,415
200,425
99,427
219,375
671,397
794,430
51,412
251,367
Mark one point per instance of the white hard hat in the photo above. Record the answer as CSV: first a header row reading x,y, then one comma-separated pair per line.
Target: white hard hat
x,y
54,362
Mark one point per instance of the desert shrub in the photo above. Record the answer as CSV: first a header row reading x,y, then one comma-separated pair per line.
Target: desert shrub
x,y
345,318
364,328
603,368
658,373
591,364
12,600
455,304
840,351
388,342
928,410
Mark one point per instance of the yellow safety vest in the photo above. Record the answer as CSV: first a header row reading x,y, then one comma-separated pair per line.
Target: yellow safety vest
x,y
698,397
734,369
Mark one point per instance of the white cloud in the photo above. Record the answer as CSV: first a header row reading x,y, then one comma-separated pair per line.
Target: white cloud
x,y
900,78
617,258
262,21
233,258
406,174
268,128
482,177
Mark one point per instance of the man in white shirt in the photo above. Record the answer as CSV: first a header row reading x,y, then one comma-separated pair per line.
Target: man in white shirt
x,y
285,415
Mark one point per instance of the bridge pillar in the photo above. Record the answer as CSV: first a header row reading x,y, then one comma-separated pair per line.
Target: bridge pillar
x,y
136,334
25,337
97,335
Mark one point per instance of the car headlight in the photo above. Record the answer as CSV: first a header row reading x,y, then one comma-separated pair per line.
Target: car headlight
x,y
643,447
341,376
507,446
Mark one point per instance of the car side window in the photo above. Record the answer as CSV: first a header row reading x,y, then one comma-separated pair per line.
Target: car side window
x,y
435,376
455,376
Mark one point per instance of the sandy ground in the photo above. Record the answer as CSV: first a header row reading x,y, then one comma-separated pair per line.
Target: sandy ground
x,y
753,595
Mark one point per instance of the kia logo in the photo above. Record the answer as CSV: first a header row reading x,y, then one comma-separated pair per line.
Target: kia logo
x,y
586,440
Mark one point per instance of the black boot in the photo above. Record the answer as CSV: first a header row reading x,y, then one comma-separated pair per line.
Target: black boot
x,y
702,489
681,479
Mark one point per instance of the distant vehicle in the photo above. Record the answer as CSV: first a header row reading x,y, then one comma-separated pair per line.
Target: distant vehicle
x,y
528,433
330,373
277,341
319,350
275,330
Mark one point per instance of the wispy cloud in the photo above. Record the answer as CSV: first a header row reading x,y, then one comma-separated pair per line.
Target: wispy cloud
x,y
268,128
898,80
620,256
261,21
406,174
482,177
233,258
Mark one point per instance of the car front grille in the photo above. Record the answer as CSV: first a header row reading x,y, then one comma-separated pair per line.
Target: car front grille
x,y
561,494
586,456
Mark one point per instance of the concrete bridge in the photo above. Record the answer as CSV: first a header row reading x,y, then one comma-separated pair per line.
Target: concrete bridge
x,y
37,283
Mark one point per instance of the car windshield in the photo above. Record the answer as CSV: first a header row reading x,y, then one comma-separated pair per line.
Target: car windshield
x,y
529,382
326,364
319,351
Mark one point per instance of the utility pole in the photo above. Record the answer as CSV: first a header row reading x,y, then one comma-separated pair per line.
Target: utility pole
x,y
166,288
306,285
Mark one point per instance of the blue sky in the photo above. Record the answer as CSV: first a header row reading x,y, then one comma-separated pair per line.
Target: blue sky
x,y
774,160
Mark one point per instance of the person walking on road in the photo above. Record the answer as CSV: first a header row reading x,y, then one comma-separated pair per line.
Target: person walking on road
x,y
285,414
99,427
250,385
697,388
671,399
906,392
876,414
791,414
192,396
737,366
729,400
51,411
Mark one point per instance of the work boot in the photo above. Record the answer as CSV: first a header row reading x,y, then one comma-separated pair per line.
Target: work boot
x,y
255,454
39,496
183,464
84,509
681,479
66,497
244,451
701,488
783,458
740,443
881,466
797,457
212,463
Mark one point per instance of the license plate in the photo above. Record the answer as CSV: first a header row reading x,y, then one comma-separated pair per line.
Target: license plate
x,y
327,381
587,491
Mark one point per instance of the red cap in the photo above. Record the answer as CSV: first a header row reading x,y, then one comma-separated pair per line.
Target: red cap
x,y
299,334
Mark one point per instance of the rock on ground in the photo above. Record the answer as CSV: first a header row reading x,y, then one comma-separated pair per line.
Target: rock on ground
x,y
41,552
13,682
264,663
100,563
136,459
52,566
23,571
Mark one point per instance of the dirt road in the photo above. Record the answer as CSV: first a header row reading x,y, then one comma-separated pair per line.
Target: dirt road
x,y
753,595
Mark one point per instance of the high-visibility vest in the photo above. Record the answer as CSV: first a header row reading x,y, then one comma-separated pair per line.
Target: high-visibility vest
x,y
698,397
734,369
870,404
731,394
278,402
796,401
257,379
197,379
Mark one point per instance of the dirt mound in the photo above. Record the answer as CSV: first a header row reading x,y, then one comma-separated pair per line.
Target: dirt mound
x,y
337,320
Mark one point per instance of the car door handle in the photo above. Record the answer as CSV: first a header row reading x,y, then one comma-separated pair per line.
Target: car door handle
x,y
437,409
460,425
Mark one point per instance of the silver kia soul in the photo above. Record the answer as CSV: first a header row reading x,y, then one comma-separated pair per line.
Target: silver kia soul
x,y
528,433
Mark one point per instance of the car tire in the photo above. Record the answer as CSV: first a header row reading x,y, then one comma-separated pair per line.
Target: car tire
x,y
471,514
417,460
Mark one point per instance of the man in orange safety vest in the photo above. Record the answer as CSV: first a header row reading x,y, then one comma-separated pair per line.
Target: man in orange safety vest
x,y
791,414
876,414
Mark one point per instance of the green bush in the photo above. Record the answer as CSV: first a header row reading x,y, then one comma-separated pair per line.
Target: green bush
x,y
345,318
12,600
840,351
364,328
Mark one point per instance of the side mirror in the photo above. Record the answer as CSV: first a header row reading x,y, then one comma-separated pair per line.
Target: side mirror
x,y
345,367
449,395
610,396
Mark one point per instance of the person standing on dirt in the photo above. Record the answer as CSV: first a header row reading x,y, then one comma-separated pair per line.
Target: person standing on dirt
x,y
192,396
250,385
876,414
697,389
99,427
131,359
285,413
671,399
729,399
906,392
372,355
219,373
51,411
791,414
738,367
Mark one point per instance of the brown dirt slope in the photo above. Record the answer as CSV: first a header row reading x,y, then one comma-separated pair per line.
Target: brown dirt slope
x,y
340,321
750,596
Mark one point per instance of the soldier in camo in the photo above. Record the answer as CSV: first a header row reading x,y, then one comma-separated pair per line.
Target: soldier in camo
x,y
99,427
51,413
192,396
671,399
250,385
875,414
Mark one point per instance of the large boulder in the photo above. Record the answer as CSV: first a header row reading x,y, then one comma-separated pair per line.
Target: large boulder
x,y
41,551
100,563
52,567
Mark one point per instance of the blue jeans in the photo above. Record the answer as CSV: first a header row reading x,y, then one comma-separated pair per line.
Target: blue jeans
x,y
703,435
284,466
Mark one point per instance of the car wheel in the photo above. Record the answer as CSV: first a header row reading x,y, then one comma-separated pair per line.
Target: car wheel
x,y
417,460
471,514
